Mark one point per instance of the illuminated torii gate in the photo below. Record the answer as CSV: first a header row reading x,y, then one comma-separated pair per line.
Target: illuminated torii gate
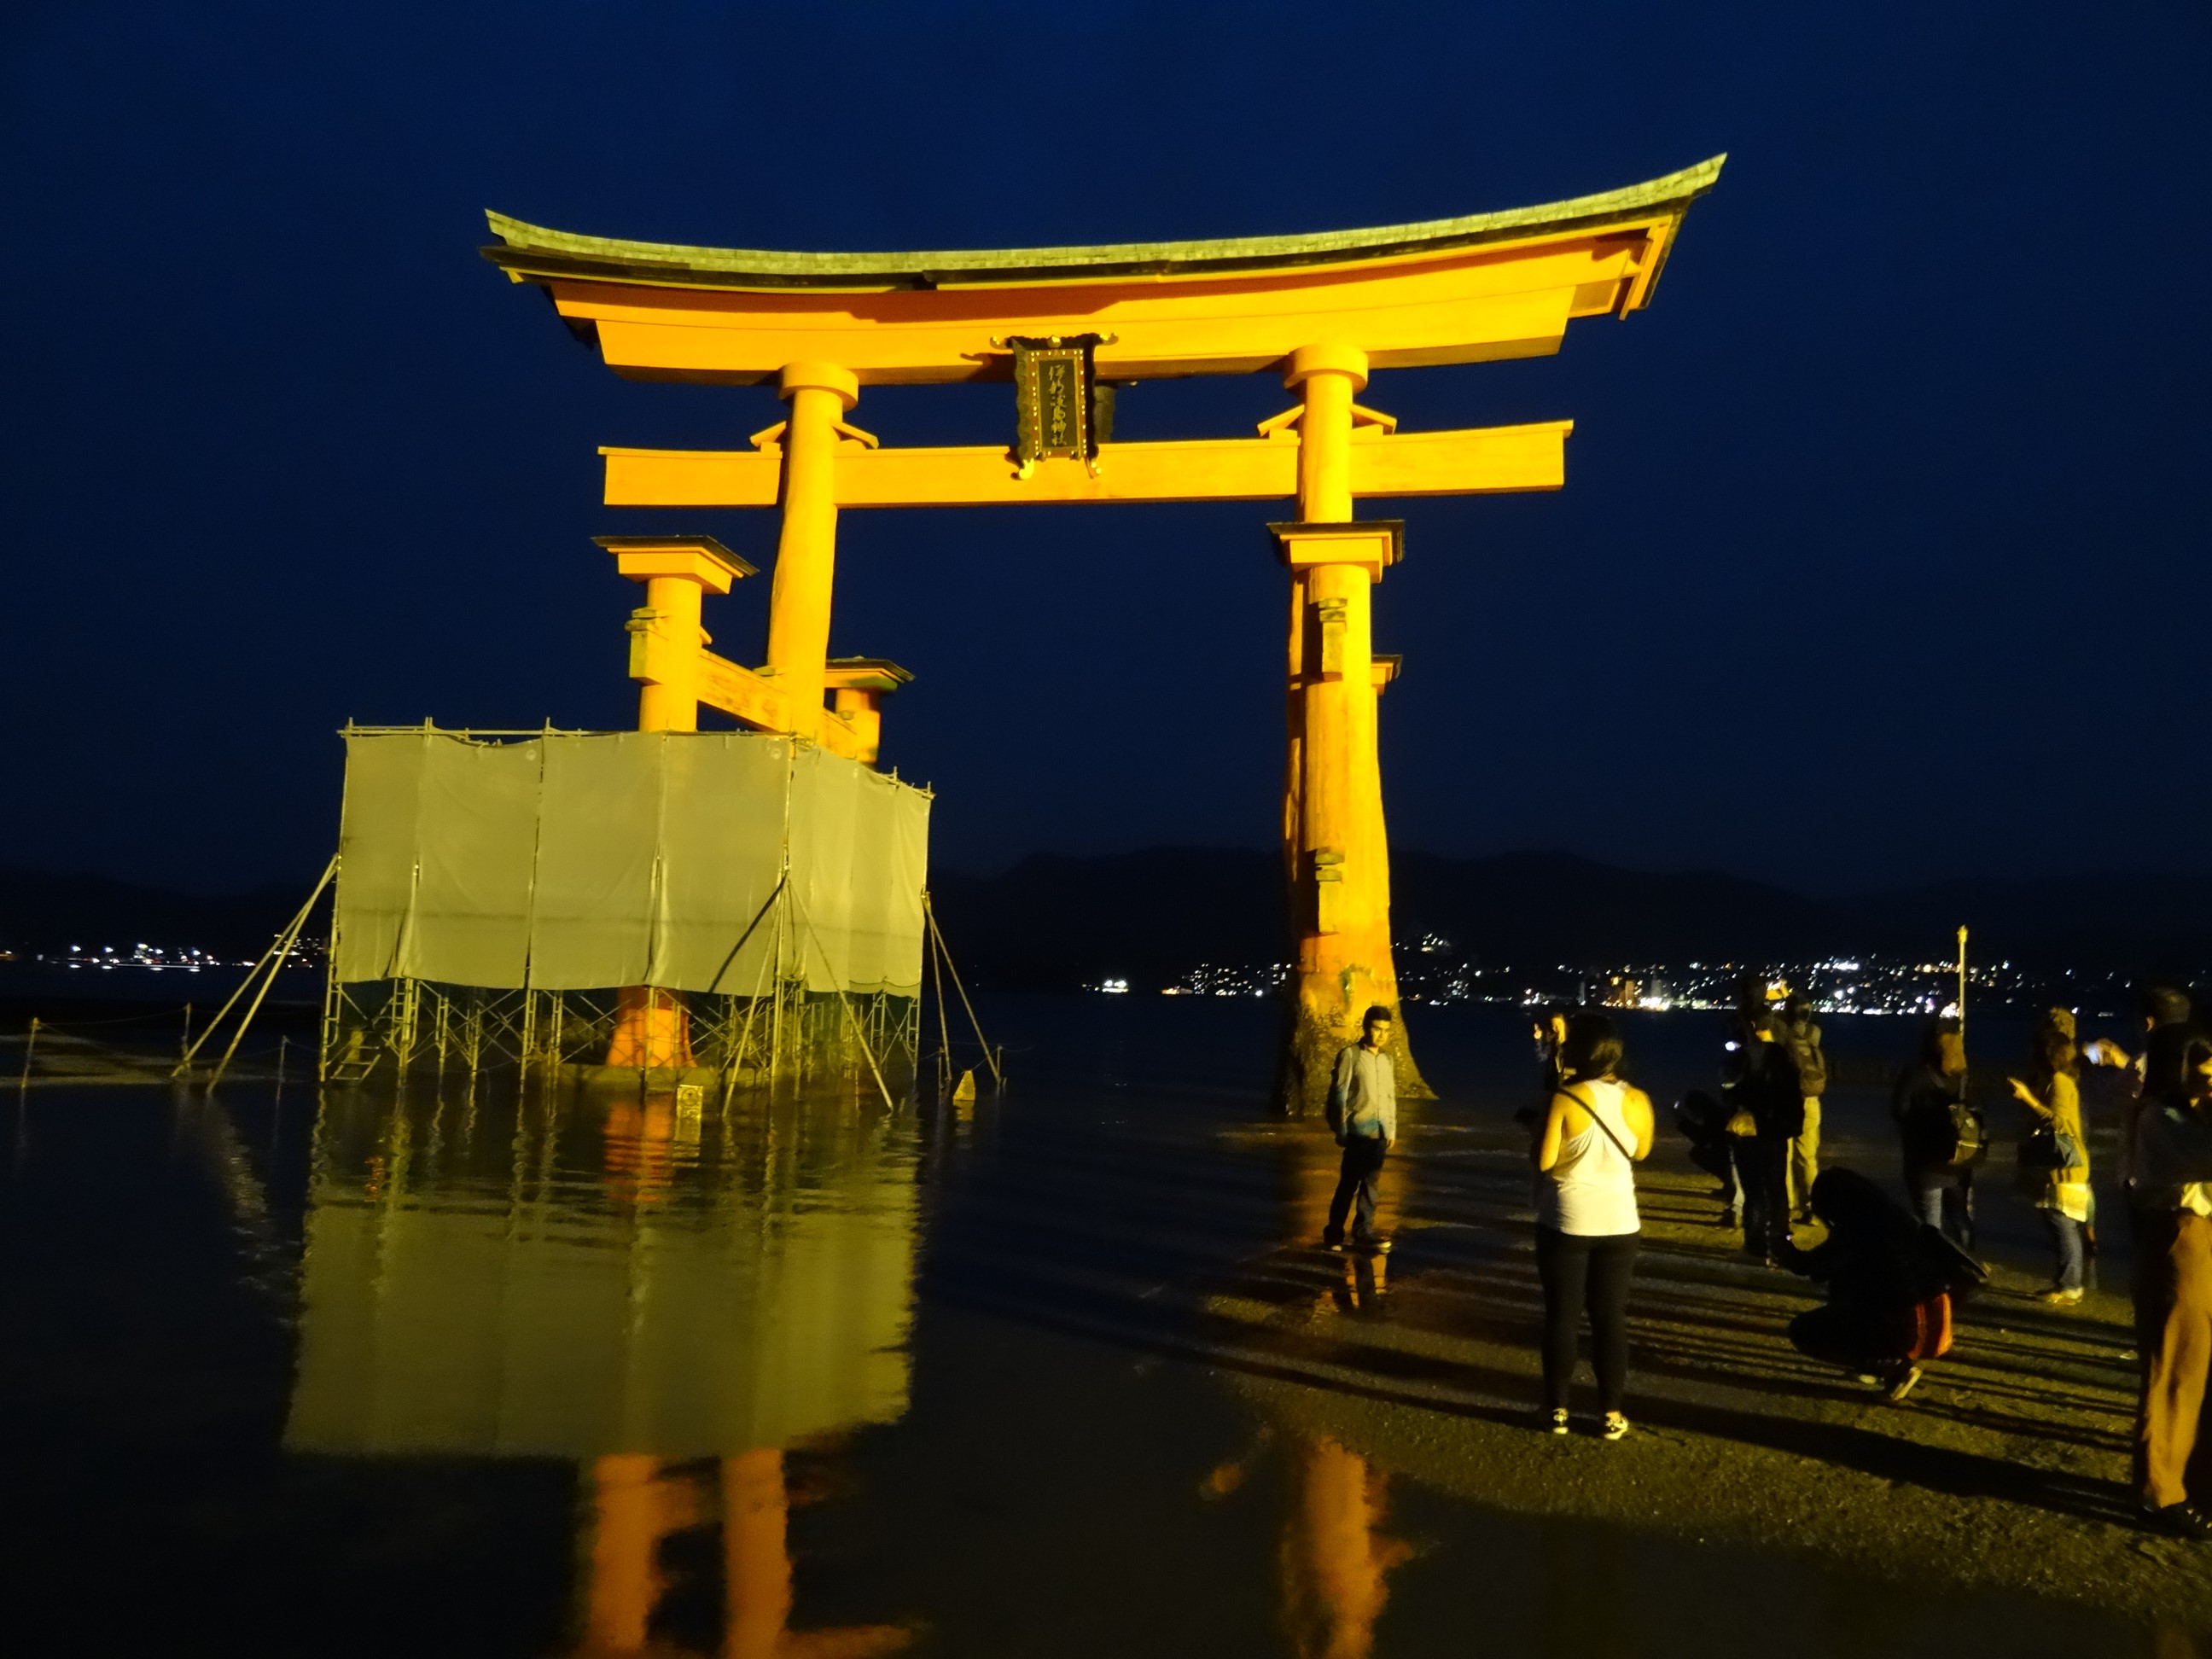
x,y
1325,310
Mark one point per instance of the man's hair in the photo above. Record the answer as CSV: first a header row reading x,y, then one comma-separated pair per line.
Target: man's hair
x,y
1374,1012
2162,1004
2166,1064
1592,1049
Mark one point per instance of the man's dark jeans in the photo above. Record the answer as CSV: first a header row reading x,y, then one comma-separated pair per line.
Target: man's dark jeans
x,y
1763,1163
1356,1178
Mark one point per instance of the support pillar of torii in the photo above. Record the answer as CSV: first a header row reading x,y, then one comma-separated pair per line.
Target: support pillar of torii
x,y
1325,310
1334,838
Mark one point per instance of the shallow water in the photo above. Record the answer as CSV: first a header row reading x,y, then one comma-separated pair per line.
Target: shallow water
x,y
471,1374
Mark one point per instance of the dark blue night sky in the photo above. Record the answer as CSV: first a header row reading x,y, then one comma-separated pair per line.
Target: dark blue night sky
x,y
1883,554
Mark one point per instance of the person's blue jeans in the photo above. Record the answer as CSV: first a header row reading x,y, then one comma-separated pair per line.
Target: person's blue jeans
x,y
2066,1234
1943,1201
1357,1176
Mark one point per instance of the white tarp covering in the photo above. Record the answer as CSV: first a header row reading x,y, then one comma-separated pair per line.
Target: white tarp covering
x,y
581,862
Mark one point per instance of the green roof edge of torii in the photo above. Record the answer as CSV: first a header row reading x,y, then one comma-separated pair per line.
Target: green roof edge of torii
x,y
532,251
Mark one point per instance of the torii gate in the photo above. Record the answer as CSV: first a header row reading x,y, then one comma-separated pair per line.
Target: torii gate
x,y
1069,322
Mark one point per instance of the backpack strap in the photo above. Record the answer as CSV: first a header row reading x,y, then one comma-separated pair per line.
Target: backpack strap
x,y
1590,1107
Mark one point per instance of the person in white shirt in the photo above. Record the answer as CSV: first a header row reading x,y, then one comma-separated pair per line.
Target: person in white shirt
x,y
1595,1132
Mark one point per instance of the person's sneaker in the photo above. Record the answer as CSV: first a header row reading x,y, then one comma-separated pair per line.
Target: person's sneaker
x,y
1616,1426
1901,1385
1869,1379
1559,1420
2059,1297
1334,1245
2183,1520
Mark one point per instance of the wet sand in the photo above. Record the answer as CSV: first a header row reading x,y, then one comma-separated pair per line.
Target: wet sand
x,y
1063,1372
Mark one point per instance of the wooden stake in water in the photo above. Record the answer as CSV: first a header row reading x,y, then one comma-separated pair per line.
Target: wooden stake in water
x,y
1962,987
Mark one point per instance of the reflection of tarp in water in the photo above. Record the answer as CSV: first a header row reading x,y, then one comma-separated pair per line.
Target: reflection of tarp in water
x,y
576,861
673,1301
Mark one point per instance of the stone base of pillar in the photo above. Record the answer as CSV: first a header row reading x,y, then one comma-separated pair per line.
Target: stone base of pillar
x,y
1318,1019
653,1031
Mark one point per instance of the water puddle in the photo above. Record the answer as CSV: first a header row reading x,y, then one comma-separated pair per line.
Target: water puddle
x,y
472,1372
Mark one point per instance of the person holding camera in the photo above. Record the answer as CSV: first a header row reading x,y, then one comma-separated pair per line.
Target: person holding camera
x,y
1768,1092
1889,1286
2054,1157
1939,1133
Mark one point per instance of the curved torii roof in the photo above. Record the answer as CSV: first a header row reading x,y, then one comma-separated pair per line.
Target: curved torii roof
x,y
1480,286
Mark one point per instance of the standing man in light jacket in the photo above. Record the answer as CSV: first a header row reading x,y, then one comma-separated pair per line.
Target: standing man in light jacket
x,y
1362,1114
1802,1038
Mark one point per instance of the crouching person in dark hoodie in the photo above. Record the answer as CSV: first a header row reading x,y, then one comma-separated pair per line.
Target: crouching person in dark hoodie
x,y
1885,1309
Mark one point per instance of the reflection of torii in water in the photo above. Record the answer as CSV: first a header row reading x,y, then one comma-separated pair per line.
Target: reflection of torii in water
x,y
653,1326
1334,1559
638,1502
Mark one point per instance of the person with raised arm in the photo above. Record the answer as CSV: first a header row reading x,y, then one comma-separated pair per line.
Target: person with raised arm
x,y
2054,1156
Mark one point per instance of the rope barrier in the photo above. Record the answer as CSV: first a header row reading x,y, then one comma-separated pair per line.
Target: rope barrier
x,y
45,1024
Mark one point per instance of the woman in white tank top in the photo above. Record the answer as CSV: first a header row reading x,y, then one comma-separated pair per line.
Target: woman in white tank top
x,y
1587,1147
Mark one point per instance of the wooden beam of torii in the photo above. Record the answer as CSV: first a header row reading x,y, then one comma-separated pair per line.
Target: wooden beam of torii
x,y
1383,463
1324,311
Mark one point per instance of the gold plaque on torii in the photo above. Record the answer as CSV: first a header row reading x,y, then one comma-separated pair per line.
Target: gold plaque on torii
x,y
1054,380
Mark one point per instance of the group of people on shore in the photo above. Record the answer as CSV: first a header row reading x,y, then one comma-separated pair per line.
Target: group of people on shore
x,y
1892,1270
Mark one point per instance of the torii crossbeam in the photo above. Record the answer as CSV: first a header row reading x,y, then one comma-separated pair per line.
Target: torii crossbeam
x,y
1325,310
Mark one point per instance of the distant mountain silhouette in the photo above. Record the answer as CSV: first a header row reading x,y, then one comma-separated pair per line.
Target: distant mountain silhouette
x,y
1053,921
42,911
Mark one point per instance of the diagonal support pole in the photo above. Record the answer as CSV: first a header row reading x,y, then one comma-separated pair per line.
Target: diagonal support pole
x,y
945,957
271,959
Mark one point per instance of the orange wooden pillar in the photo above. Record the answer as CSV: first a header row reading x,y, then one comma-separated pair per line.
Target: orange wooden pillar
x,y
1336,847
858,686
633,1507
820,394
665,638
652,1027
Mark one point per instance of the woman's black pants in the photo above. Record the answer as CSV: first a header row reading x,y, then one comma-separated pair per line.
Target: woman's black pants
x,y
1582,1274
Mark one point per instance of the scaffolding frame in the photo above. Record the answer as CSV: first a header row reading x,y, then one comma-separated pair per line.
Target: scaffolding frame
x,y
774,1033
786,1036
